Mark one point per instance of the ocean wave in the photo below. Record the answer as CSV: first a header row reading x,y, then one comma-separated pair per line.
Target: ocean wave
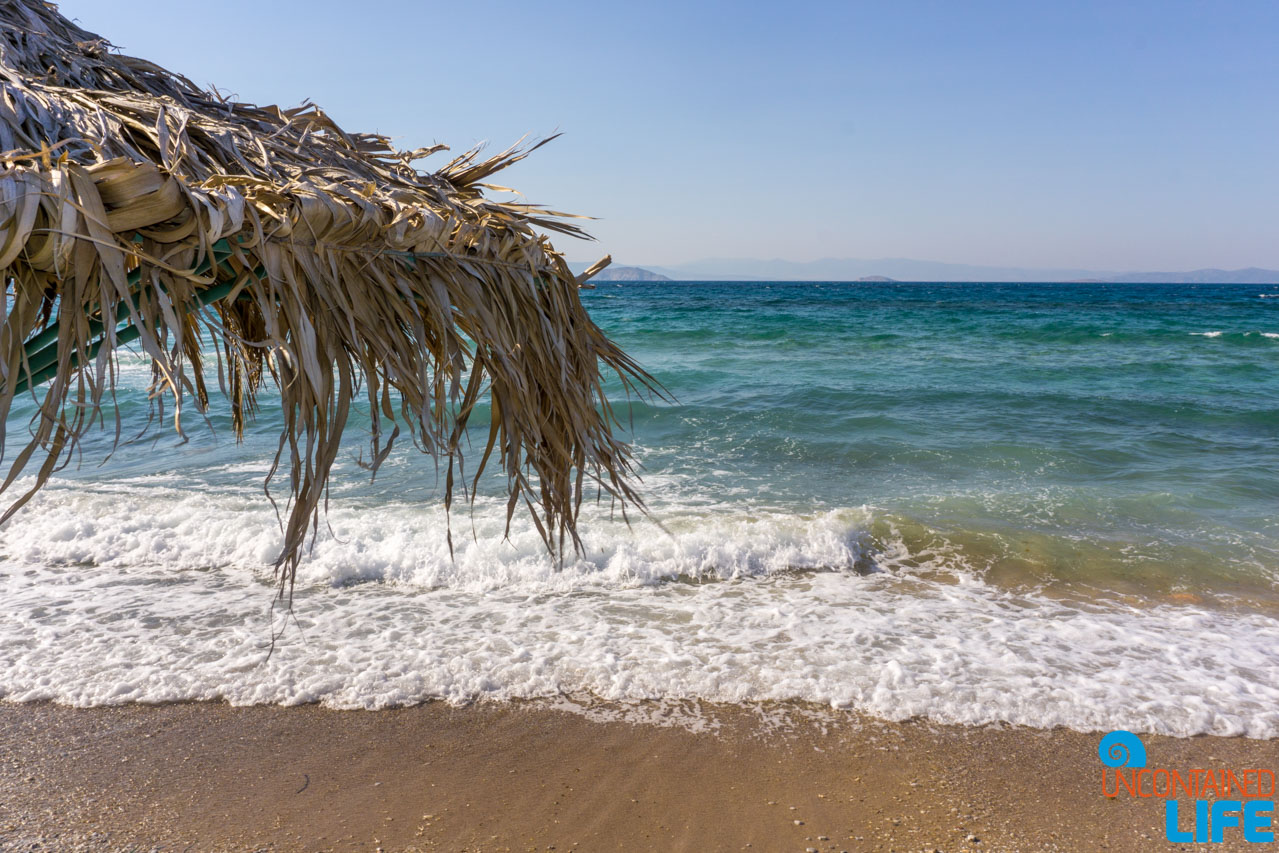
x,y
144,525
1235,336
131,594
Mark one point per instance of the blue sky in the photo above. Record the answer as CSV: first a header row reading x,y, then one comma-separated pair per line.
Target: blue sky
x,y
1109,135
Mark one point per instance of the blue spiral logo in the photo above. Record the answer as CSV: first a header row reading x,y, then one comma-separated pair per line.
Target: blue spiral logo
x,y
1122,749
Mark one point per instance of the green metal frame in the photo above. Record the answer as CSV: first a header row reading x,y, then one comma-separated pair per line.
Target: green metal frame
x,y
42,350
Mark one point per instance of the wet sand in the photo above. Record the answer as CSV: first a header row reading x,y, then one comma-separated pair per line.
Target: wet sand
x,y
523,777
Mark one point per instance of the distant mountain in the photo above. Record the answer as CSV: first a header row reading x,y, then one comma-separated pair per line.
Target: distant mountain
x,y
876,278
850,269
906,269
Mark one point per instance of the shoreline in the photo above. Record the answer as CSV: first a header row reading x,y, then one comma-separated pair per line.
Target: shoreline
x,y
530,776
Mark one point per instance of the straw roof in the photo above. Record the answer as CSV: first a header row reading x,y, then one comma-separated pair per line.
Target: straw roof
x,y
136,206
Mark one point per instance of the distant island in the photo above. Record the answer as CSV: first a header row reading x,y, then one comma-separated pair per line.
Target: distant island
x,y
629,274
879,278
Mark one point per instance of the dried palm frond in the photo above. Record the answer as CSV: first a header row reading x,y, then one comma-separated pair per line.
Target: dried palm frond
x,y
136,207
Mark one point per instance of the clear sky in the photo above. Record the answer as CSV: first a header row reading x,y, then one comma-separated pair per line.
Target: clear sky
x,y
1105,135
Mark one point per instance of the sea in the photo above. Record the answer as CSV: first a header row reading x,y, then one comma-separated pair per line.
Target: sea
x,y
1032,504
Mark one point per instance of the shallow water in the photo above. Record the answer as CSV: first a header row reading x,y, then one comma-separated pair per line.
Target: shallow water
x,y
1043,504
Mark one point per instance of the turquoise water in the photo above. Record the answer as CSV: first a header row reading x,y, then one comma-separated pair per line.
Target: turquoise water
x,y
1120,436
1038,504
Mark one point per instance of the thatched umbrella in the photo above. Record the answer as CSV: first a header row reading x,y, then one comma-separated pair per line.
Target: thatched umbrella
x,y
135,206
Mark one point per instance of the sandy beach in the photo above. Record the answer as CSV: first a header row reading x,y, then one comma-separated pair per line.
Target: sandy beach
x,y
506,777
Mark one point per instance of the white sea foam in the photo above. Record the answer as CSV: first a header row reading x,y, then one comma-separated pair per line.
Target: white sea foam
x,y
1245,334
145,591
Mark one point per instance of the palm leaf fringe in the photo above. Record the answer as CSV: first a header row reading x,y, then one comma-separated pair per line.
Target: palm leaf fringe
x,y
136,207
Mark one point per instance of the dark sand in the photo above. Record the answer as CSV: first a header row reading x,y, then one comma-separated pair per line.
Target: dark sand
x,y
206,777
